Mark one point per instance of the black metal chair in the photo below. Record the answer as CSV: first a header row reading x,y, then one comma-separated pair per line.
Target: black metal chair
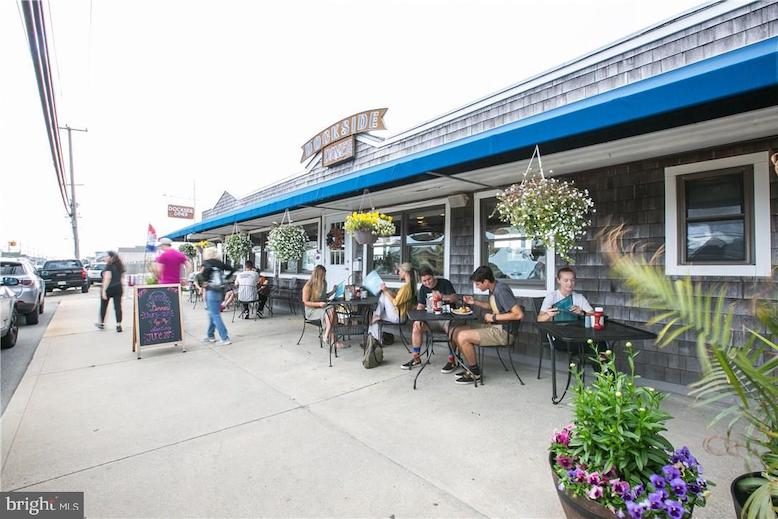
x,y
252,304
512,340
312,322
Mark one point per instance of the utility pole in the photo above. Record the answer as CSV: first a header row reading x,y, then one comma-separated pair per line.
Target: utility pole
x,y
73,205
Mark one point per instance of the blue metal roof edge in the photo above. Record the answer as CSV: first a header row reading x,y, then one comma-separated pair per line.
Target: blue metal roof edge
x,y
741,70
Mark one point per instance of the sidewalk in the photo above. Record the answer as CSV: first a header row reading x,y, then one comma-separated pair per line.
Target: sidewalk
x,y
264,428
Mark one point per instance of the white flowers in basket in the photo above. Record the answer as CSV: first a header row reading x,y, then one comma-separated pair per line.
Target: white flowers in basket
x,y
288,242
548,210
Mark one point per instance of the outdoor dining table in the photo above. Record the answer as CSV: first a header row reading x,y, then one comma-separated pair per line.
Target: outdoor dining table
x,y
428,317
356,314
574,333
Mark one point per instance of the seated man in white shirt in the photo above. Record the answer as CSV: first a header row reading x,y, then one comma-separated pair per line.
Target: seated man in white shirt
x,y
565,278
246,283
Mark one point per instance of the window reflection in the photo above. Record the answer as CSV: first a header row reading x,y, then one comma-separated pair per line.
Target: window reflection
x,y
511,255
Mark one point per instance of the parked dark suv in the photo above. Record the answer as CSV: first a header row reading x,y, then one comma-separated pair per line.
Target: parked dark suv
x,y
64,274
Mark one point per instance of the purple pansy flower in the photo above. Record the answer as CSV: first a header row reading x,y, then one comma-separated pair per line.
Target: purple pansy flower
x,y
579,475
679,486
595,492
671,472
656,500
637,491
702,482
657,480
634,510
674,509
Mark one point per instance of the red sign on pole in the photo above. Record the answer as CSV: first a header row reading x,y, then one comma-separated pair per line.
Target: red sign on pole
x,y
180,211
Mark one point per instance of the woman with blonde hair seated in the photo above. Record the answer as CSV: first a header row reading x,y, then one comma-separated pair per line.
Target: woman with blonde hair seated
x,y
315,301
394,307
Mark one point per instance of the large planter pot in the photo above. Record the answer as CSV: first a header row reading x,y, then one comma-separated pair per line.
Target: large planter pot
x,y
578,507
365,237
739,495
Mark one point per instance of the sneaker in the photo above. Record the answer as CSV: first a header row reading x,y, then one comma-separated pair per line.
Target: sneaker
x,y
209,339
99,326
119,328
461,373
224,342
450,367
468,378
413,363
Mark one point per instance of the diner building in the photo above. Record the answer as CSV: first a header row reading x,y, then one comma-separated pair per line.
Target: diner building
x,y
670,129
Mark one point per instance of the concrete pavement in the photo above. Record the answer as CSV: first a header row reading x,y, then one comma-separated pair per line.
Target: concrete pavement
x,y
264,428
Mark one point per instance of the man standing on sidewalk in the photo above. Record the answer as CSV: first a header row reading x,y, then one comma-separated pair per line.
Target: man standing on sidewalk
x,y
168,264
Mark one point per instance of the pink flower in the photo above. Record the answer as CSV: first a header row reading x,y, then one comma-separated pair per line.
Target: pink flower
x,y
594,478
595,492
566,462
563,437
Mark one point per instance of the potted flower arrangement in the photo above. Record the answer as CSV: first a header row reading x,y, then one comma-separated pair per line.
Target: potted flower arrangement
x,y
367,227
613,460
287,242
744,376
238,246
548,210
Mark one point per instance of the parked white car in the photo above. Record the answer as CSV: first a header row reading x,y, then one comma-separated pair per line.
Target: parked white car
x,y
94,273
9,318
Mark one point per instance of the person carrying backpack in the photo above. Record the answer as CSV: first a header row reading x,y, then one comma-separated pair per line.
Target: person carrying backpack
x,y
216,273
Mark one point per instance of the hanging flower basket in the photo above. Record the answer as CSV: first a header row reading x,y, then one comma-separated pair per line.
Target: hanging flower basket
x,y
238,247
548,210
188,250
288,242
367,227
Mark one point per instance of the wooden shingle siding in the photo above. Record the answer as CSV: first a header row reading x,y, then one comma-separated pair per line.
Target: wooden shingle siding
x,y
619,193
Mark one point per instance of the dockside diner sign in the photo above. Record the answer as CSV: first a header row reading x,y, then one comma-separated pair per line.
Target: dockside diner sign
x,y
361,122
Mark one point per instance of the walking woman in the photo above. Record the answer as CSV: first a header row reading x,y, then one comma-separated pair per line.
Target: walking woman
x,y
315,302
394,307
216,273
112,289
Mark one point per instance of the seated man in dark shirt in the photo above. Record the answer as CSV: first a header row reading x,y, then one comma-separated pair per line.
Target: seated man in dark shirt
x,y
502,307
431,285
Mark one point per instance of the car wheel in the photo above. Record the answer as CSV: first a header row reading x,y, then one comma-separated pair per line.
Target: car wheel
x,y
85,288
32,317
9,339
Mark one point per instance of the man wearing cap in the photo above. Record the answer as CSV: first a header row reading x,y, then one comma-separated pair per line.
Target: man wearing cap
x,y
168,263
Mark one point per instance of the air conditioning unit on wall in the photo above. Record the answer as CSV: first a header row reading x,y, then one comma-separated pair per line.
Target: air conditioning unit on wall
x,y
458,200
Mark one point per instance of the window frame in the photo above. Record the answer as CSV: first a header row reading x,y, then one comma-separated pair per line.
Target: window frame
x,y
517,288
746,173
760,245
404,247
270,271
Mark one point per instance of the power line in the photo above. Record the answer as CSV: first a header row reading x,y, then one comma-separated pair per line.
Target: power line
x,y
36,36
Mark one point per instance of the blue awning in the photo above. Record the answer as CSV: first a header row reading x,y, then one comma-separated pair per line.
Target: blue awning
x,y
737,72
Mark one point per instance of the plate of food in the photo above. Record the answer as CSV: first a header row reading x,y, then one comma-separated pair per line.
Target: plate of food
x,y
465,310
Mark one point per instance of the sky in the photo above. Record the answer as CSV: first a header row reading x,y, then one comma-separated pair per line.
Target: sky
x,y
186,99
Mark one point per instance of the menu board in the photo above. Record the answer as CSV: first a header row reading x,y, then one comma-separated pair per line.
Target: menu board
x,y
157,316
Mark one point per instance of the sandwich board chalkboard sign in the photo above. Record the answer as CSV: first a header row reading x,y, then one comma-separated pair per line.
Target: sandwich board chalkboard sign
x,y
157,316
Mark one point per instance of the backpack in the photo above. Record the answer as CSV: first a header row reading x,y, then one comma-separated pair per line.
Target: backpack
x,y
215,279
374,353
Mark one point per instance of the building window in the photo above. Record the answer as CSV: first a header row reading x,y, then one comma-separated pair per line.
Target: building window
x,y
512,257
716,218
336,244
311,258
264,260
419,239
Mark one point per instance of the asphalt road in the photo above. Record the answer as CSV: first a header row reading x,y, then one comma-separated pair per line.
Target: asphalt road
x,y
14,361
